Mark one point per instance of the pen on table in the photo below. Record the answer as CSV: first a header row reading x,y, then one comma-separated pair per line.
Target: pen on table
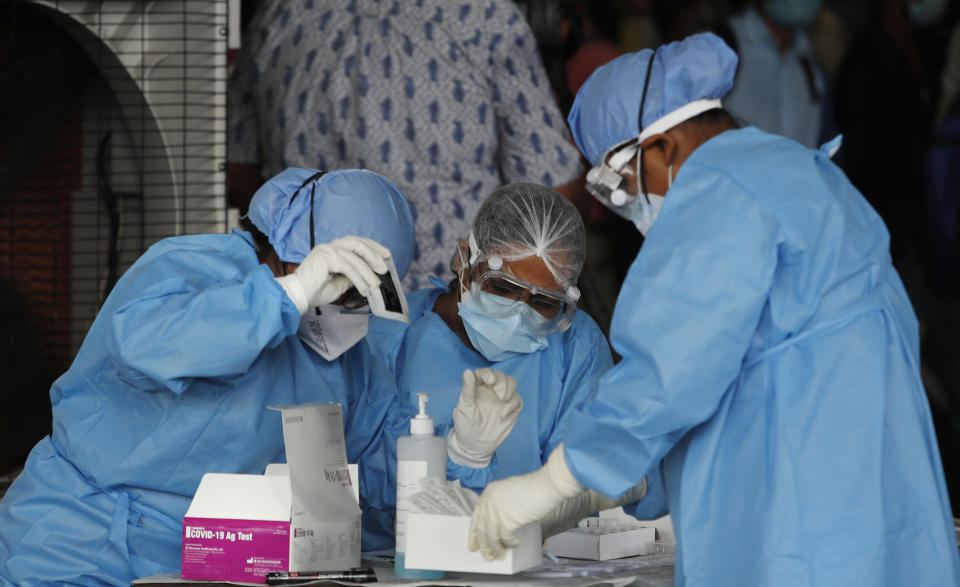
x,y
358,575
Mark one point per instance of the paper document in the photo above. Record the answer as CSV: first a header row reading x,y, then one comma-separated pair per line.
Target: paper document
x,y
325,518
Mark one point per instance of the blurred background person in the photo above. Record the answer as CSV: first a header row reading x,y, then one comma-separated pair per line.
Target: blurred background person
x,y
590,35
449,101
941,231
780,87
638,27
883,77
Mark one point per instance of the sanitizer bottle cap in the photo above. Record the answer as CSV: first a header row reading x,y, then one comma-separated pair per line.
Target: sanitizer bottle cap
x,y
422,423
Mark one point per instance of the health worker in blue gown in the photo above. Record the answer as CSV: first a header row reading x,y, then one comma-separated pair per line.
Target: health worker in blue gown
x,y
512,309
770,353
174,378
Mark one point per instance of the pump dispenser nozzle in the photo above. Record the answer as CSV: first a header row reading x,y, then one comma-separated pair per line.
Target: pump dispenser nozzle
x,y
422,423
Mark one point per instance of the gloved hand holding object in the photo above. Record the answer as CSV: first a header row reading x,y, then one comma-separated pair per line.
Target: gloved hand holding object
x,y
330,269
511,503
485,414
582,505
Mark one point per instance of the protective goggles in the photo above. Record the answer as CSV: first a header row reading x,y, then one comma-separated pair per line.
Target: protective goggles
x,y
557,308
354,300
387,300
607,181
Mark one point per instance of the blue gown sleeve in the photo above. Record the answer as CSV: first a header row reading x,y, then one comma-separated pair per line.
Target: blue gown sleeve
x,y
654,503
376,419
685,317
189,314
588,358
385,337
474,478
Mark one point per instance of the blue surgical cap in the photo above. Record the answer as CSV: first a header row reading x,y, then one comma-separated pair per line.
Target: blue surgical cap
x,y
687,78
350,202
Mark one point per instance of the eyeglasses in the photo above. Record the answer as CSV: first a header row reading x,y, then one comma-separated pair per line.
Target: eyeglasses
x,y
557,308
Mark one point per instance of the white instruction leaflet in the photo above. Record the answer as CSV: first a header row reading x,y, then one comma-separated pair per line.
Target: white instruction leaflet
x,y
325,517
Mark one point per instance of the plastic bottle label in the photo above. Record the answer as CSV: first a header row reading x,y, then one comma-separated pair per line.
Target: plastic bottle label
x,y
409,474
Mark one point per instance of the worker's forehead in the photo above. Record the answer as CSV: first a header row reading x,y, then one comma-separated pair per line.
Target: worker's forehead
x,y
533,270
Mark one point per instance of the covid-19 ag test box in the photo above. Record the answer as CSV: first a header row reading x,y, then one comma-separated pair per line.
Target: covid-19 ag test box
x,y
304,516
237,528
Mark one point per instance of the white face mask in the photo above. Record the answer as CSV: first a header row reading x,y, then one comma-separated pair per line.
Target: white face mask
x,y
330,330
643,213
647,213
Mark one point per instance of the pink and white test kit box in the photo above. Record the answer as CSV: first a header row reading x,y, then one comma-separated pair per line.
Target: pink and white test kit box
x,y
237,528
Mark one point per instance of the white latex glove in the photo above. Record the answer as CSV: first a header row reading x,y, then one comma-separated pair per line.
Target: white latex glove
x,y
486,412
330,269
583,504
511,503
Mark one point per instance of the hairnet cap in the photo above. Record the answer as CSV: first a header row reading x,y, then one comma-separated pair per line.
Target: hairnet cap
x,y
351,202
687,77
520,220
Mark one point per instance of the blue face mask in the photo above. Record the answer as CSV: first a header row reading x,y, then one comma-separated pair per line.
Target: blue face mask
x,y
498,339
792,14
926,12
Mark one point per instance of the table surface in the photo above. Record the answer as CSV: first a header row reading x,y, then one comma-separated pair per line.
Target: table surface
x,y
655,570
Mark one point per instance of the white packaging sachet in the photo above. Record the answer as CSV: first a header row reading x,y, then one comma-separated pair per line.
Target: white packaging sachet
x,y
446,498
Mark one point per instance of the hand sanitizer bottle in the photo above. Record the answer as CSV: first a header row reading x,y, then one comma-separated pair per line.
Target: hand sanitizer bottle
x,y
419,455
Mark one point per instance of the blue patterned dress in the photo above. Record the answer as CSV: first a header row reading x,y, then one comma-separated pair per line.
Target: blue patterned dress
x,y
447,99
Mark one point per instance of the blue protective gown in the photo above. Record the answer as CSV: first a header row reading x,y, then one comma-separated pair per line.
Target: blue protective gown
x,y
173,381
770,360
428,356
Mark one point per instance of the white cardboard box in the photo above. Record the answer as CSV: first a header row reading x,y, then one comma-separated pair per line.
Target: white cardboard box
x,y
439,543
603,542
